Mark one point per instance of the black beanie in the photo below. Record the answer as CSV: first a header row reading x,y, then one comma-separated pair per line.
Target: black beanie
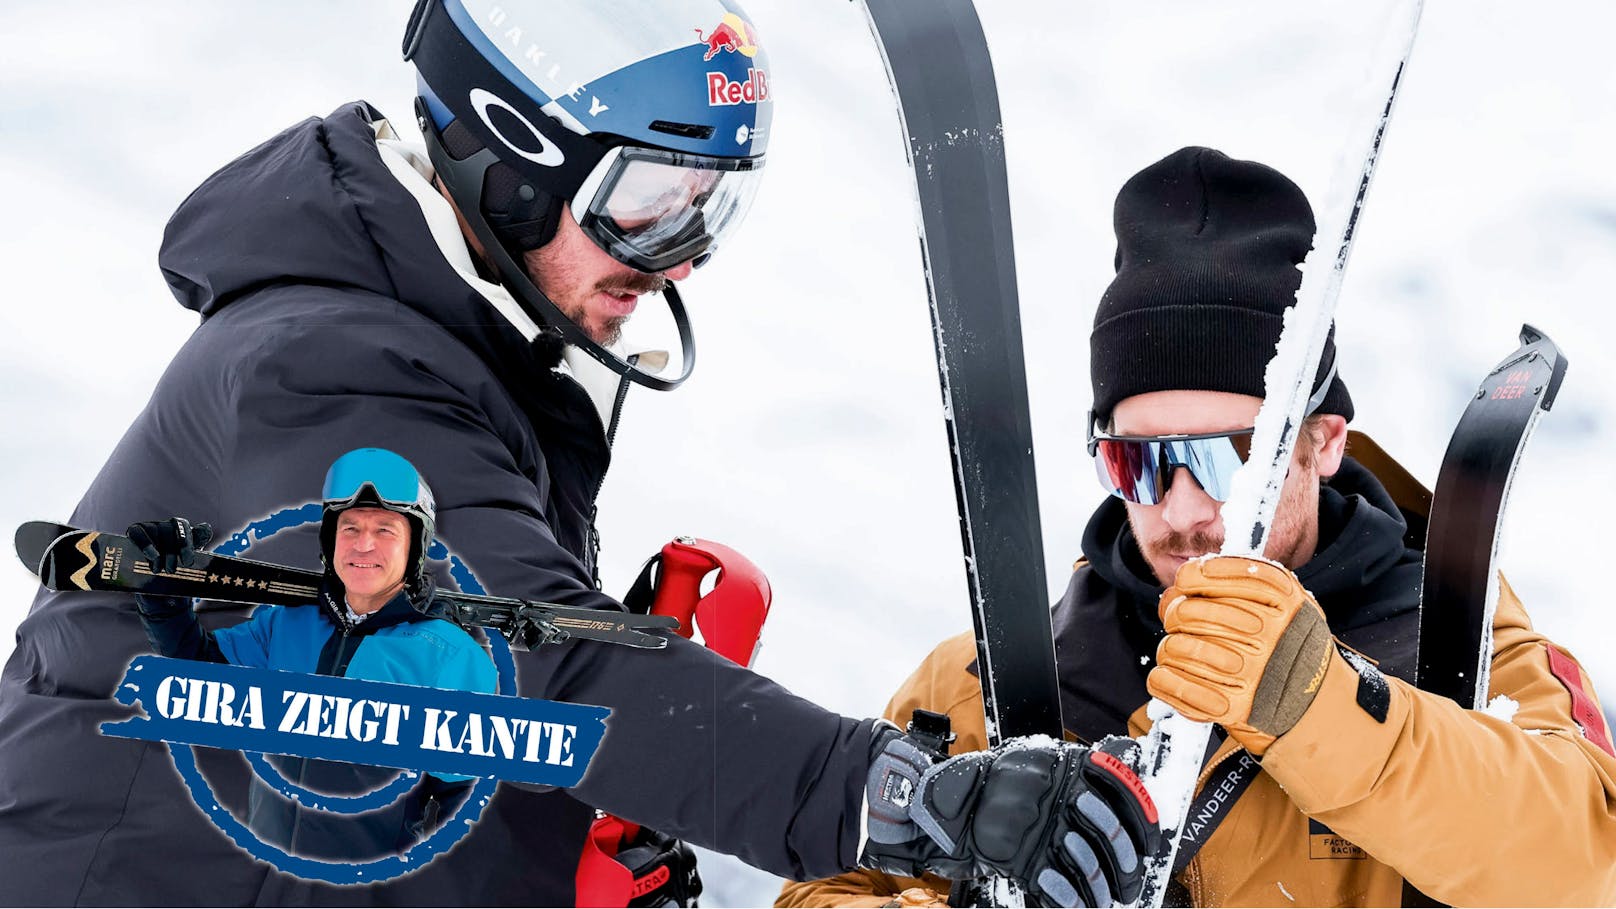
x,y
1207,249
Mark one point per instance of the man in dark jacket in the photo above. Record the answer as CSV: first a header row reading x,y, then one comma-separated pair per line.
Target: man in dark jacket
x,y
461,302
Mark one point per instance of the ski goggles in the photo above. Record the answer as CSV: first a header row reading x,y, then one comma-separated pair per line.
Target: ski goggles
x,y
653,209
392,480
1140,469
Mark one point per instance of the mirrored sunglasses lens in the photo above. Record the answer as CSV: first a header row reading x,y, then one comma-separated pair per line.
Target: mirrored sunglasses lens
x,y
1132,471
1212,462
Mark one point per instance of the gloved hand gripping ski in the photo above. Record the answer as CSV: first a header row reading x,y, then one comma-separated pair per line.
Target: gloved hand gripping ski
x,y
992,813
169,544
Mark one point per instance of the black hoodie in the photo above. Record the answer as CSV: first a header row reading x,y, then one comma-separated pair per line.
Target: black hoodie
x,y
332,321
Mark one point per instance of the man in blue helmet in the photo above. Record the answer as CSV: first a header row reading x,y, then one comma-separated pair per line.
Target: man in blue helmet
x,y
466,301
375,619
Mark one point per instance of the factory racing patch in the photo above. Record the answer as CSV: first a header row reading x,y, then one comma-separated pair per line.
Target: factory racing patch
x,y
1324,843
1584,709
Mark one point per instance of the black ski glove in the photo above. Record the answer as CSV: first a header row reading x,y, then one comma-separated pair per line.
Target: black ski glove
x,y
1072,824
169,544
664,870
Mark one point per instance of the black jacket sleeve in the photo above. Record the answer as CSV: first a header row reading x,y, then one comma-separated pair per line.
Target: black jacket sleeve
x,y
696,746
174,631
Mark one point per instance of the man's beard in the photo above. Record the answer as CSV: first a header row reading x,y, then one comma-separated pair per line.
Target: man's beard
x,y
610,331
1287,533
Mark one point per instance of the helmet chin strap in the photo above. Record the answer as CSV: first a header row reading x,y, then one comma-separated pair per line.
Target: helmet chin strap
x,y
470,172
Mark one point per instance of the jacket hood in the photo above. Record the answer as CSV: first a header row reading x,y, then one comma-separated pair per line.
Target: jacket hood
x,y
318,205
1361,544
322,205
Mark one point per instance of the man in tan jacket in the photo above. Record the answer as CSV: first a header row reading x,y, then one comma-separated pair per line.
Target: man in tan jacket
x,y
1333,780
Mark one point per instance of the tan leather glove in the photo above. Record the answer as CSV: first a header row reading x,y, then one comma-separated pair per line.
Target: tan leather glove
x,y
1246,648
917,898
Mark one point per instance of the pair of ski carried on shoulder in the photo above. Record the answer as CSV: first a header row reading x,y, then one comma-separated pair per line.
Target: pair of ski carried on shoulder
x,y
668,593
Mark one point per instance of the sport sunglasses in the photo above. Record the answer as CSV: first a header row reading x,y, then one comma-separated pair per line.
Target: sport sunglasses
x,y
1140,469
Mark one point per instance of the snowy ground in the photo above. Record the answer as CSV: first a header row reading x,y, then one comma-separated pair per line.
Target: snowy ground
x,y
811,436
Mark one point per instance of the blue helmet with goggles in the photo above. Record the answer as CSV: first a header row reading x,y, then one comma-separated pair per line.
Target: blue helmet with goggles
x,y
645,121
378,478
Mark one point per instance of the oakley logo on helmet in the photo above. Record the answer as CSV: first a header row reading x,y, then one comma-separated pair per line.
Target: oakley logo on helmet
x,y
722,91
533,60
548,155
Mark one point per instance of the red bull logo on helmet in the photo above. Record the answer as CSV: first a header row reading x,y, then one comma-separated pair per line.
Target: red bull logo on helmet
x,y
733,35
722,91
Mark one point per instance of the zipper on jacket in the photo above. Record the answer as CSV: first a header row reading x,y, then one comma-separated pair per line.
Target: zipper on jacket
x,y
617,406
594,504
344,656
346,645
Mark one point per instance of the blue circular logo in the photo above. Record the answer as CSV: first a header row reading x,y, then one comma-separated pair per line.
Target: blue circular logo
x,y
382,868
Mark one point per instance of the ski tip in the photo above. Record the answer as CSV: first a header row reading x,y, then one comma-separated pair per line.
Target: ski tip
x,y
1542,345
34,538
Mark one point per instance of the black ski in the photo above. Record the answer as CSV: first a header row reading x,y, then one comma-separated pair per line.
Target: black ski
x,y
1460,592
91,560
937,61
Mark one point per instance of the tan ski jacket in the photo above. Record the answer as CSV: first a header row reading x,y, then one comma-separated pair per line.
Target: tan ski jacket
x,y
1512,806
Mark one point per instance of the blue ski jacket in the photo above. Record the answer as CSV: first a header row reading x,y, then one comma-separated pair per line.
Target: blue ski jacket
x,y
331,319
394,644
397,643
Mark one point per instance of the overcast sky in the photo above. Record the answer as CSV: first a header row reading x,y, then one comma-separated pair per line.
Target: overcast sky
x,y
811,436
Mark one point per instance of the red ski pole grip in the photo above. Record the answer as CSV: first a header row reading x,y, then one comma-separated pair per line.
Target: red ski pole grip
x,y
731,615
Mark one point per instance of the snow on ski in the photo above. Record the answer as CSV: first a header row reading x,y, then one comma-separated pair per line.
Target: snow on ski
x,y
1175,747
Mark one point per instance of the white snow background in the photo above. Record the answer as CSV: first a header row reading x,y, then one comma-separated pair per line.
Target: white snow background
x,y
811,435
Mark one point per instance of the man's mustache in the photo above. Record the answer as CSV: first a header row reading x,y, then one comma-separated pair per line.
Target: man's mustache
x,y
636,283
1187,543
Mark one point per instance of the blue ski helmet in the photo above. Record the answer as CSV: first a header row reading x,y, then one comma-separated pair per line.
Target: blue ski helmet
x,y
646,119
378,478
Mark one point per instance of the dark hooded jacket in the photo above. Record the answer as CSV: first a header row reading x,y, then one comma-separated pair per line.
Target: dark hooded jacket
x,y
332,321
1364,575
